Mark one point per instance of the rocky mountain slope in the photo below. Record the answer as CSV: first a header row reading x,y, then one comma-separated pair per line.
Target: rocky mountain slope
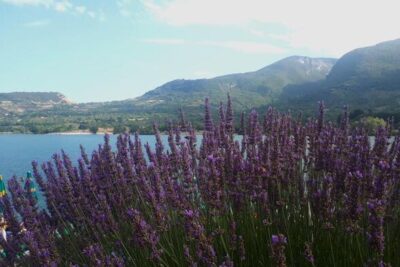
x,y
20,102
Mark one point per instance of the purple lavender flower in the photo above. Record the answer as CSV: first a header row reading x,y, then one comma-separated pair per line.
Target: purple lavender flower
x,y
278,243
144,234
215,200
208,125
308,253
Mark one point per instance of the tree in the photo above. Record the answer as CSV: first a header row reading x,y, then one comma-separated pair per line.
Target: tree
x,y
93,129
119,128
372,123
83,126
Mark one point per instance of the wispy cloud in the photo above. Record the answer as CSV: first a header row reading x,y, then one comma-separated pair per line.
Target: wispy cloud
x,y
239,46
61,6
333,27
246,47
46,3
97,15
37,23
202,74
80,9
125,7
92,14
164,41
257,33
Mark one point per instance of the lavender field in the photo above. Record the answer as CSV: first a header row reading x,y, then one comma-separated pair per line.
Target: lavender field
x,y
287,193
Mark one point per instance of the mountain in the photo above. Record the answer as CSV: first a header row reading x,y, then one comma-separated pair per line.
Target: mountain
x,y
250,89
367,79
369,66
19,102
247,89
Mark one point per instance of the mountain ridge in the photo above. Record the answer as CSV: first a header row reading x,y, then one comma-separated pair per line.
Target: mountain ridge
x,y
366,79
253,88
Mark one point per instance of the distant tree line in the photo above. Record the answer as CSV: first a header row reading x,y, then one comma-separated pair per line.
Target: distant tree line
x,y
42,123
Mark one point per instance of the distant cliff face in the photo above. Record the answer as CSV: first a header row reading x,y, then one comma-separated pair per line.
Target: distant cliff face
x,y
19,102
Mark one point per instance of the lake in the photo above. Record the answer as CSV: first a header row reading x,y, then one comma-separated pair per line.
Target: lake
x,y
18,150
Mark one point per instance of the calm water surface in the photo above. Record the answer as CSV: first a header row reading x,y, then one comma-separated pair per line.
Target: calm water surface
x,y
18,151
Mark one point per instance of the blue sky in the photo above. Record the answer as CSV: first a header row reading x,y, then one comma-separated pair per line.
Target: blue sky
x,y
116,49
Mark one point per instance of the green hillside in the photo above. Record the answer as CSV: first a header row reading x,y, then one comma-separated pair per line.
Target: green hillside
x,y
366,79
248,90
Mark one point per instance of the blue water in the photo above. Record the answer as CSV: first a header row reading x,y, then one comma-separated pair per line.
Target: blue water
x,y
18,151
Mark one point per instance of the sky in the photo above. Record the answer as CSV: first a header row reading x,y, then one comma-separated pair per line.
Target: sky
x,y
105,50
